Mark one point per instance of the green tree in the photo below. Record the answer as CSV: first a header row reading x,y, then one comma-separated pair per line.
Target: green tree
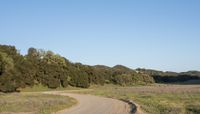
x,y
52,70
6,63
124,79
79,79
7,81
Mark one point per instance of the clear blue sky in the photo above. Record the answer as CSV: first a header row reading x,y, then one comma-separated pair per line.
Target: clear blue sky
x,y
157,34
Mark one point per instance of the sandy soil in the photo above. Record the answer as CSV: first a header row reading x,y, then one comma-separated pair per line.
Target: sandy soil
x,y
89,104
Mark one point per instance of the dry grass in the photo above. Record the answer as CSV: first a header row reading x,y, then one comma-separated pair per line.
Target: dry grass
x,y
156,99
33,103
163,89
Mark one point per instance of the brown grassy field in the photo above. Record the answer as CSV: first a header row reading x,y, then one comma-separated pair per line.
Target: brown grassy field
x,y
33,103
156,99
152,99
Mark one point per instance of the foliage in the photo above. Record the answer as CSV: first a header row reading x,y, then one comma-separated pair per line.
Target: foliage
x,y
8,79
171,77
54,71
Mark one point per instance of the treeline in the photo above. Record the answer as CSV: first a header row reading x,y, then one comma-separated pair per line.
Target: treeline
x,y
171,77
52,70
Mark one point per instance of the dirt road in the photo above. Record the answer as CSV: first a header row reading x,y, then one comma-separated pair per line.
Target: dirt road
x,y
89,104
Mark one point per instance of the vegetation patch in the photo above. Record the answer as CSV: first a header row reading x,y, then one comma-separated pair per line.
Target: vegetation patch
x,y
153,99
40,67
34,102
42,88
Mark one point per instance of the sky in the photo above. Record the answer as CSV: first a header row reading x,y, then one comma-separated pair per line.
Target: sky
x,y
154,34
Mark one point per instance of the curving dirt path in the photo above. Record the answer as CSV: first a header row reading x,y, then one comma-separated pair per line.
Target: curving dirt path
x,y
89,104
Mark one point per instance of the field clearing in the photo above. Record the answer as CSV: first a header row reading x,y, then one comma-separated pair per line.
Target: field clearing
x,y
33,103
156,99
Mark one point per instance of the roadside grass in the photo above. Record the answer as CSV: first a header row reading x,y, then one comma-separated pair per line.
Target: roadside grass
x,y
169,103
156,99
34,103
153,99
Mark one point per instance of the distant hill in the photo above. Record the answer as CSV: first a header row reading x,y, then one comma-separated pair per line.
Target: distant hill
x,y
172,77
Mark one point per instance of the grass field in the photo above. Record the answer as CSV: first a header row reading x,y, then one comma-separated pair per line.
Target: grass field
x,y
153,99
156,99
33,103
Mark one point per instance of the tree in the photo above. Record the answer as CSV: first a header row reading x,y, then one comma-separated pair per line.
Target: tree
x,y
7,81
24,72
6,63
124,79
52,70
79,79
